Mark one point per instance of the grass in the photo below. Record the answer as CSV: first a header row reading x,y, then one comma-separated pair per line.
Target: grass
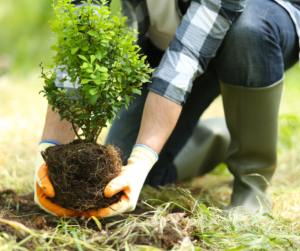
x,y
209,226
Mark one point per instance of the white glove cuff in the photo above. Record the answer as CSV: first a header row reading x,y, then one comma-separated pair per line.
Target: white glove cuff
x,y
142,153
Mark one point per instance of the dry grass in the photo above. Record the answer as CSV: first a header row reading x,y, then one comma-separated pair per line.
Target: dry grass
x,y
22,117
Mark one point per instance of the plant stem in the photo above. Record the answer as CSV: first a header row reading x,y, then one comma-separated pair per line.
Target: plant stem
x,y
95,140
74,128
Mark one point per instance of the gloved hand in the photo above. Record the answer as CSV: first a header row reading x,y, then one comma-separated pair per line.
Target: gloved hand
x,y
43,187
130,180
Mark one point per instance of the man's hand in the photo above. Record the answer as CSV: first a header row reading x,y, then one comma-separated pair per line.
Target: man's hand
x,y
130,181
43,189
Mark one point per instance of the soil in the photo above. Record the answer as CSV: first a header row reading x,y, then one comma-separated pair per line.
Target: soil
x,y
165,239
79,173
22,209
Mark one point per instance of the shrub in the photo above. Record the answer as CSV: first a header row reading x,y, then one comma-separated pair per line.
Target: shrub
x,y
101,58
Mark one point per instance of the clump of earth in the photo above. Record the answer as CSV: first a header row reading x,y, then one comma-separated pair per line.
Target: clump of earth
x,y
79,173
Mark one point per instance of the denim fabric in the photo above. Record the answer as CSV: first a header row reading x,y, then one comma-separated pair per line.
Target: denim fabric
x,y
260,45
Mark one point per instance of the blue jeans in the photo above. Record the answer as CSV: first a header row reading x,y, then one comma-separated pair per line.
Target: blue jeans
x,y
260,45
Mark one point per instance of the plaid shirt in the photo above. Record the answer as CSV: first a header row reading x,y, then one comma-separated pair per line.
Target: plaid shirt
x,y
195,43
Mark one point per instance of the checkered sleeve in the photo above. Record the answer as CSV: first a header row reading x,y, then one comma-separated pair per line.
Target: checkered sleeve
x,y
195,43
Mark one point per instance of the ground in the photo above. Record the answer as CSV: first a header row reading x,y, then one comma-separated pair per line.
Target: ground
x,y
170,218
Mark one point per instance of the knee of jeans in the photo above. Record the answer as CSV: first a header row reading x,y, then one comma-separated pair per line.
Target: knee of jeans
x,y
243,58
246,31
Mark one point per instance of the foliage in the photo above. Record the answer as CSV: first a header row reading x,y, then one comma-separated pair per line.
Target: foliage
x,y
101,56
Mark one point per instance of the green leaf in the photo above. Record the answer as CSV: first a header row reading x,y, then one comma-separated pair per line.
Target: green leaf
x,y
92,58
92,33
120,78
98,56
85,81
103,52
115,108
50,65
54,47
136,91
85,65
87,87
126,68
73,51
56,29
93,91
103,77
111,121
97,81
101,68
127,98
93,99
83,57
144,80
83,116
85,48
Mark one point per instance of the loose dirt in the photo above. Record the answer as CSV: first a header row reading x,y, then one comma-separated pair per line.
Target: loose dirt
x,y
22,209
167,238
79,173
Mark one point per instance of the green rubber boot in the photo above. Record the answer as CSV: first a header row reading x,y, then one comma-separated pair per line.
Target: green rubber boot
x,y
252,120
206,148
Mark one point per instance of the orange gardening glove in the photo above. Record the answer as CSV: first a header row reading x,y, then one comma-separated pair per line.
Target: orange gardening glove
x,y
130,181
43,189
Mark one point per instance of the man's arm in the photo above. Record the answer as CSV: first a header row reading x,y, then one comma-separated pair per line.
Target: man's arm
x,y
195,43
159,119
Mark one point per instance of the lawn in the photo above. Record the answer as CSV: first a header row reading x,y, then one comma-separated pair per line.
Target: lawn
x,y
204,225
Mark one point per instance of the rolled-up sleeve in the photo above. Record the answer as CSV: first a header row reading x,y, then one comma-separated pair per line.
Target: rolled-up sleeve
x,y
195,43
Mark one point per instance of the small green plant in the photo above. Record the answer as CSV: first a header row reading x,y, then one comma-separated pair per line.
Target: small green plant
x,y
101,56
